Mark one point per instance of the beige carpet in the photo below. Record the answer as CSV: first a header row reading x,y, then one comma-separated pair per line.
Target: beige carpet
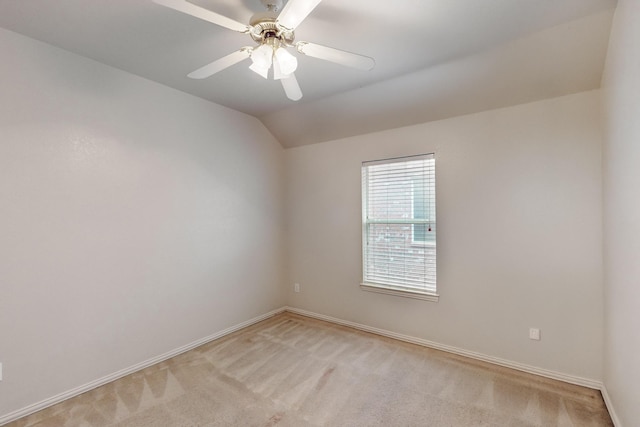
x,y
295,371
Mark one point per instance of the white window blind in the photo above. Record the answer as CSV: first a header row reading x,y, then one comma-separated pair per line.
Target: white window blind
x,y
399,225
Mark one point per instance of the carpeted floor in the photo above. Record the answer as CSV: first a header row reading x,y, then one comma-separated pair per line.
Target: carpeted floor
x,y
294,371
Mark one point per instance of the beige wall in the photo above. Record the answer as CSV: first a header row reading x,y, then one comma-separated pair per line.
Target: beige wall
x,y
519,233
135,219
622,214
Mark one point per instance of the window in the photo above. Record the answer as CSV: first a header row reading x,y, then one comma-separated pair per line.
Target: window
x,y
399,226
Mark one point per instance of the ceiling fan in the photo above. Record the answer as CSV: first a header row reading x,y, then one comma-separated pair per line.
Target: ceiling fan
x,y
273,33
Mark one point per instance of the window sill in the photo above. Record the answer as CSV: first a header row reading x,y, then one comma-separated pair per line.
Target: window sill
x,y
400,293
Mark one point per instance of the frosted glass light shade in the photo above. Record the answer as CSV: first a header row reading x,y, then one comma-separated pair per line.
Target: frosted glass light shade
x,y
262,57
287,62
264,72
277,73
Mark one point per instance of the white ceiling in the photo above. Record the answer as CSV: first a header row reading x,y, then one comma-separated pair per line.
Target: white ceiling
x,y
434,58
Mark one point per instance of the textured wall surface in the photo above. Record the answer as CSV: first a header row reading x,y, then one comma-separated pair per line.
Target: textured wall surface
x,y
519,233
135,219
622,214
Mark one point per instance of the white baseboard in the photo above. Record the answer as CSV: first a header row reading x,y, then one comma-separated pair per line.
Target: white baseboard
x,y
12,416
609,403
585,382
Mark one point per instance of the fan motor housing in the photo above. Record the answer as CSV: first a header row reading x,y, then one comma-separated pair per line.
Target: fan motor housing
x,y
265,27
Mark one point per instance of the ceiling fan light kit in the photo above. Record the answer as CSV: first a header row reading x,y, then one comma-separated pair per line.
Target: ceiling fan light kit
x,y
272,51
274,33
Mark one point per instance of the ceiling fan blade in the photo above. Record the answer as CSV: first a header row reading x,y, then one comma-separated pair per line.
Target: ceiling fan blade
x,y
338,56
291,87
204,14
221,64
295,11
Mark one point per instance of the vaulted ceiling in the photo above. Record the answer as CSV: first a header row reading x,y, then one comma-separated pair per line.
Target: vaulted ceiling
x,y
434,58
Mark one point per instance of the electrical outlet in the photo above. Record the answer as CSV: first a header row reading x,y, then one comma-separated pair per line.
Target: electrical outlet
x,y
296,287
534,334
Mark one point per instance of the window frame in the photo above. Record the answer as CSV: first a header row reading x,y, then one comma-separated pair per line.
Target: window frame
x,y
430,292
